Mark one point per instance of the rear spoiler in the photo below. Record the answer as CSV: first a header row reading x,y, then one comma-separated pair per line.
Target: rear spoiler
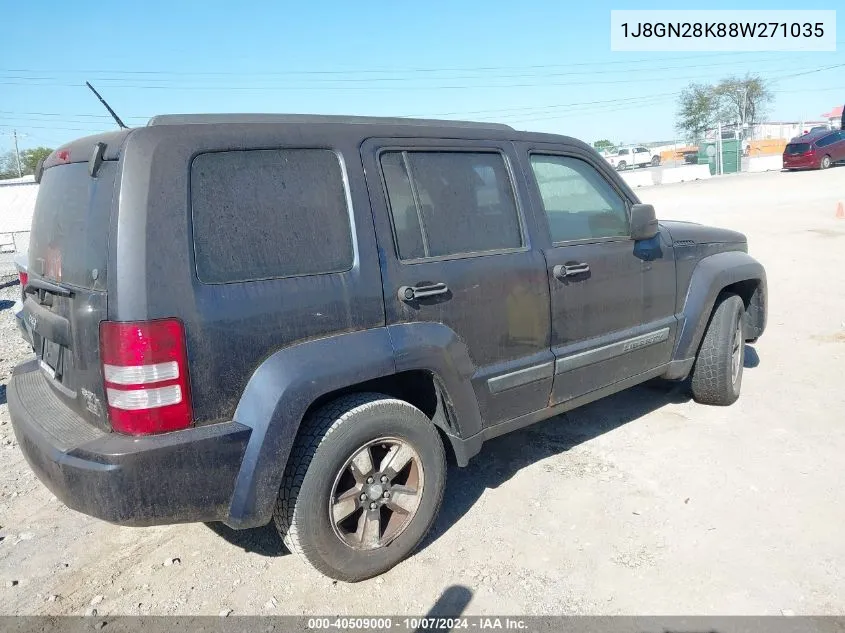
x,y
89,149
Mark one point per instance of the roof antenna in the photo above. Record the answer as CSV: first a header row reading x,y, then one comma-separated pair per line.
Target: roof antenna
x,y
103,101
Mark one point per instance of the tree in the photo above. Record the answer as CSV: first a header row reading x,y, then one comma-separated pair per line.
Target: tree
x,y
603,144
8,166
30,158
739,101
29,161
698,110
743,100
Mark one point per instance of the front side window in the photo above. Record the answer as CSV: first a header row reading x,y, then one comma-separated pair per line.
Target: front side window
x,y
450,203
263,214
579,203
623,152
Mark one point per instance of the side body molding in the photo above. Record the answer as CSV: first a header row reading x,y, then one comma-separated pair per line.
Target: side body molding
x,y
710,276
280,391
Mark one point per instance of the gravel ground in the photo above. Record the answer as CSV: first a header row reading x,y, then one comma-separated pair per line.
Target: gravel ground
x,y
644,503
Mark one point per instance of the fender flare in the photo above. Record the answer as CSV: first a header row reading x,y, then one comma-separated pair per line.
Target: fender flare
x,y
710,276
283,387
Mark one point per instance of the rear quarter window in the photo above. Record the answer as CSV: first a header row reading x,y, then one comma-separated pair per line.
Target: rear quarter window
x,y
264,214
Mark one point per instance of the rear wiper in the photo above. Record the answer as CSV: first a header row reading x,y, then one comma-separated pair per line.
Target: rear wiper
x,y
49,286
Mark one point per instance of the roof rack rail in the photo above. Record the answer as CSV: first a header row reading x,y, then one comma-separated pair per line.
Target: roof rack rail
x,y
180,119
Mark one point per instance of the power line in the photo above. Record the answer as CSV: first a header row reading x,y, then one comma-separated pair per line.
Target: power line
x,y
171,80
523,113
386,70
774,79
288,88
92,116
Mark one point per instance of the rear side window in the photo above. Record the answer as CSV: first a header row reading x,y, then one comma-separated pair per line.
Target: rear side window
x,y
830,139
263,214
450,203
70,224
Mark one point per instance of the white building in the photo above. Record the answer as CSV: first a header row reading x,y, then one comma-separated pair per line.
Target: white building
x,y
17,204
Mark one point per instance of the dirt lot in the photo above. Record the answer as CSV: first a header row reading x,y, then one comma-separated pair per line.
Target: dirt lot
x,y
644,503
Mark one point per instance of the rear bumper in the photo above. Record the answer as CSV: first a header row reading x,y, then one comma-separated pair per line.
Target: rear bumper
x,y
175,477
800,163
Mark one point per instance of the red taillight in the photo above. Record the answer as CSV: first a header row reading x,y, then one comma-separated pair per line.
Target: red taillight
x,y
23,278
145,368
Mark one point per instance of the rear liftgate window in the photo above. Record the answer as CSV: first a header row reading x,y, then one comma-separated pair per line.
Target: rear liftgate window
x,y
264,214
70,224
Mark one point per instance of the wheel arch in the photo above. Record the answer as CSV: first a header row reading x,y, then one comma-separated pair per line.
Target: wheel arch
x,y
731,271
422,388
424,364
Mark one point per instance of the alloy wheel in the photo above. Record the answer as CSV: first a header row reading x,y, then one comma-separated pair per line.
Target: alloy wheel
x,y
376,493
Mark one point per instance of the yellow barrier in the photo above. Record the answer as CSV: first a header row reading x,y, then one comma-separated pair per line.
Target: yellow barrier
x,y
763,147
767,147
676,154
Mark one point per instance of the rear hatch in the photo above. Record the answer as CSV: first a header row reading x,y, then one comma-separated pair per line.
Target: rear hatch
x,y
65,296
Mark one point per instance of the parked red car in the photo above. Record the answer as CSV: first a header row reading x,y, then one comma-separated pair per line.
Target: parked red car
x,y
817,150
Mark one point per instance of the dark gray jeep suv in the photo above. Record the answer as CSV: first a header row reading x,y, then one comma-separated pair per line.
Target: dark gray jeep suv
x,y
245,318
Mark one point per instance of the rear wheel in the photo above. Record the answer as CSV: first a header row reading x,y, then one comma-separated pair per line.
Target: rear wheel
x,y
825,162
655,161
717,374
362,486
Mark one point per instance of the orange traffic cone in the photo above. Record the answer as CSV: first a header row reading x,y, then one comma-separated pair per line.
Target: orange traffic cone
x,y
840,211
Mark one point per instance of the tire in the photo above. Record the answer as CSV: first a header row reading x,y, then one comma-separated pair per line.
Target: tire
x,y
621,166
320,460
715,379
825,162
655,161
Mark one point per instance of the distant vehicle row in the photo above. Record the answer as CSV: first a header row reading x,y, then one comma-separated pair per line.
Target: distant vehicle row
x,y
815,150
625,157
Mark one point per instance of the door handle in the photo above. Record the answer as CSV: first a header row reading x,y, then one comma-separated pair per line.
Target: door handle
x,y
572,269
412,293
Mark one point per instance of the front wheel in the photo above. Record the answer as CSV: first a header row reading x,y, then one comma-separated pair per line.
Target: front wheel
x,y
362,487
655,161
621,166
825,162
717,374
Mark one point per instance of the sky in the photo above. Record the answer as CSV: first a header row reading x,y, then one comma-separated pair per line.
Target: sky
x,y
541,65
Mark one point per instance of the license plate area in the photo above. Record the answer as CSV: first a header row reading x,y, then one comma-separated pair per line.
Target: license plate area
x,y
51,358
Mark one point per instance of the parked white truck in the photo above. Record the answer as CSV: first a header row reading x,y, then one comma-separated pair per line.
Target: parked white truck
x,y
630,157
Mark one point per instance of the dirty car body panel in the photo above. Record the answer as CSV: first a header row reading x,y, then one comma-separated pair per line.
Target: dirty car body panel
x,y
507,336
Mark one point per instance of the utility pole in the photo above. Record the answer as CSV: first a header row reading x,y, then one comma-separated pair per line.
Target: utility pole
x,y
719,150
17,153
